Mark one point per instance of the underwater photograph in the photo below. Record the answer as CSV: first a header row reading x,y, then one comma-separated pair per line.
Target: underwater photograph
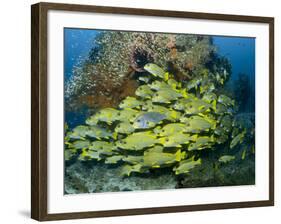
x,y
153,111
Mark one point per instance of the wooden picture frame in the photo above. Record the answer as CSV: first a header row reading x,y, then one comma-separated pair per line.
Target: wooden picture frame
x,y
39,108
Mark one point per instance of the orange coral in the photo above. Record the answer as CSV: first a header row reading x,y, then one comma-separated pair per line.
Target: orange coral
x,y
189,66
106,77
173,53
172,42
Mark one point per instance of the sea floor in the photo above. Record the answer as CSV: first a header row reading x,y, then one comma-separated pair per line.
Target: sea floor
x,y
92,177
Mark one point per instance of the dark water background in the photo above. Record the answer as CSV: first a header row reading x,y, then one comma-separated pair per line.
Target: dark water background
x,y
240,51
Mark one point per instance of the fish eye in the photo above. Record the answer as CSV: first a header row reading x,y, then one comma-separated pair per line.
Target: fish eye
x,y
156,94
131,122
118,113
118,126
166,139
138,120
163,130
190,106
147,122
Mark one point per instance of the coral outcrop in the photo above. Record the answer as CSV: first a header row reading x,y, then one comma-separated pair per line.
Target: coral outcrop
x,y
117,58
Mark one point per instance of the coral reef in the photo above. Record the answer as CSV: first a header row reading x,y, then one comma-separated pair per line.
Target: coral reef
x,y
117,58
158,115
167,125
94,177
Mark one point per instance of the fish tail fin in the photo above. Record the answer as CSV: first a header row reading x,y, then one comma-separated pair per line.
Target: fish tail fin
x,y
180,85
243,156
192,158
166,76
173,114
161,141
68,143
114,135
183,155
201,107
84,152
242,136
178,155
184,93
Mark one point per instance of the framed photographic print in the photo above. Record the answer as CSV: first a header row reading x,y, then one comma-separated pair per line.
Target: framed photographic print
x,y
139,111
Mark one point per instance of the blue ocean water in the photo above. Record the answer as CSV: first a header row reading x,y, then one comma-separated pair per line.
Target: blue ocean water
x,y
77,44
240,51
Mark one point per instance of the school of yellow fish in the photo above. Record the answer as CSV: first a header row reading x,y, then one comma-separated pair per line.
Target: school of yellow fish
x,y
165,125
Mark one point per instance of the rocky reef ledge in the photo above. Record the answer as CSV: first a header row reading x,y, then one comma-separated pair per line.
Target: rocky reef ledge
x,y
89,177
